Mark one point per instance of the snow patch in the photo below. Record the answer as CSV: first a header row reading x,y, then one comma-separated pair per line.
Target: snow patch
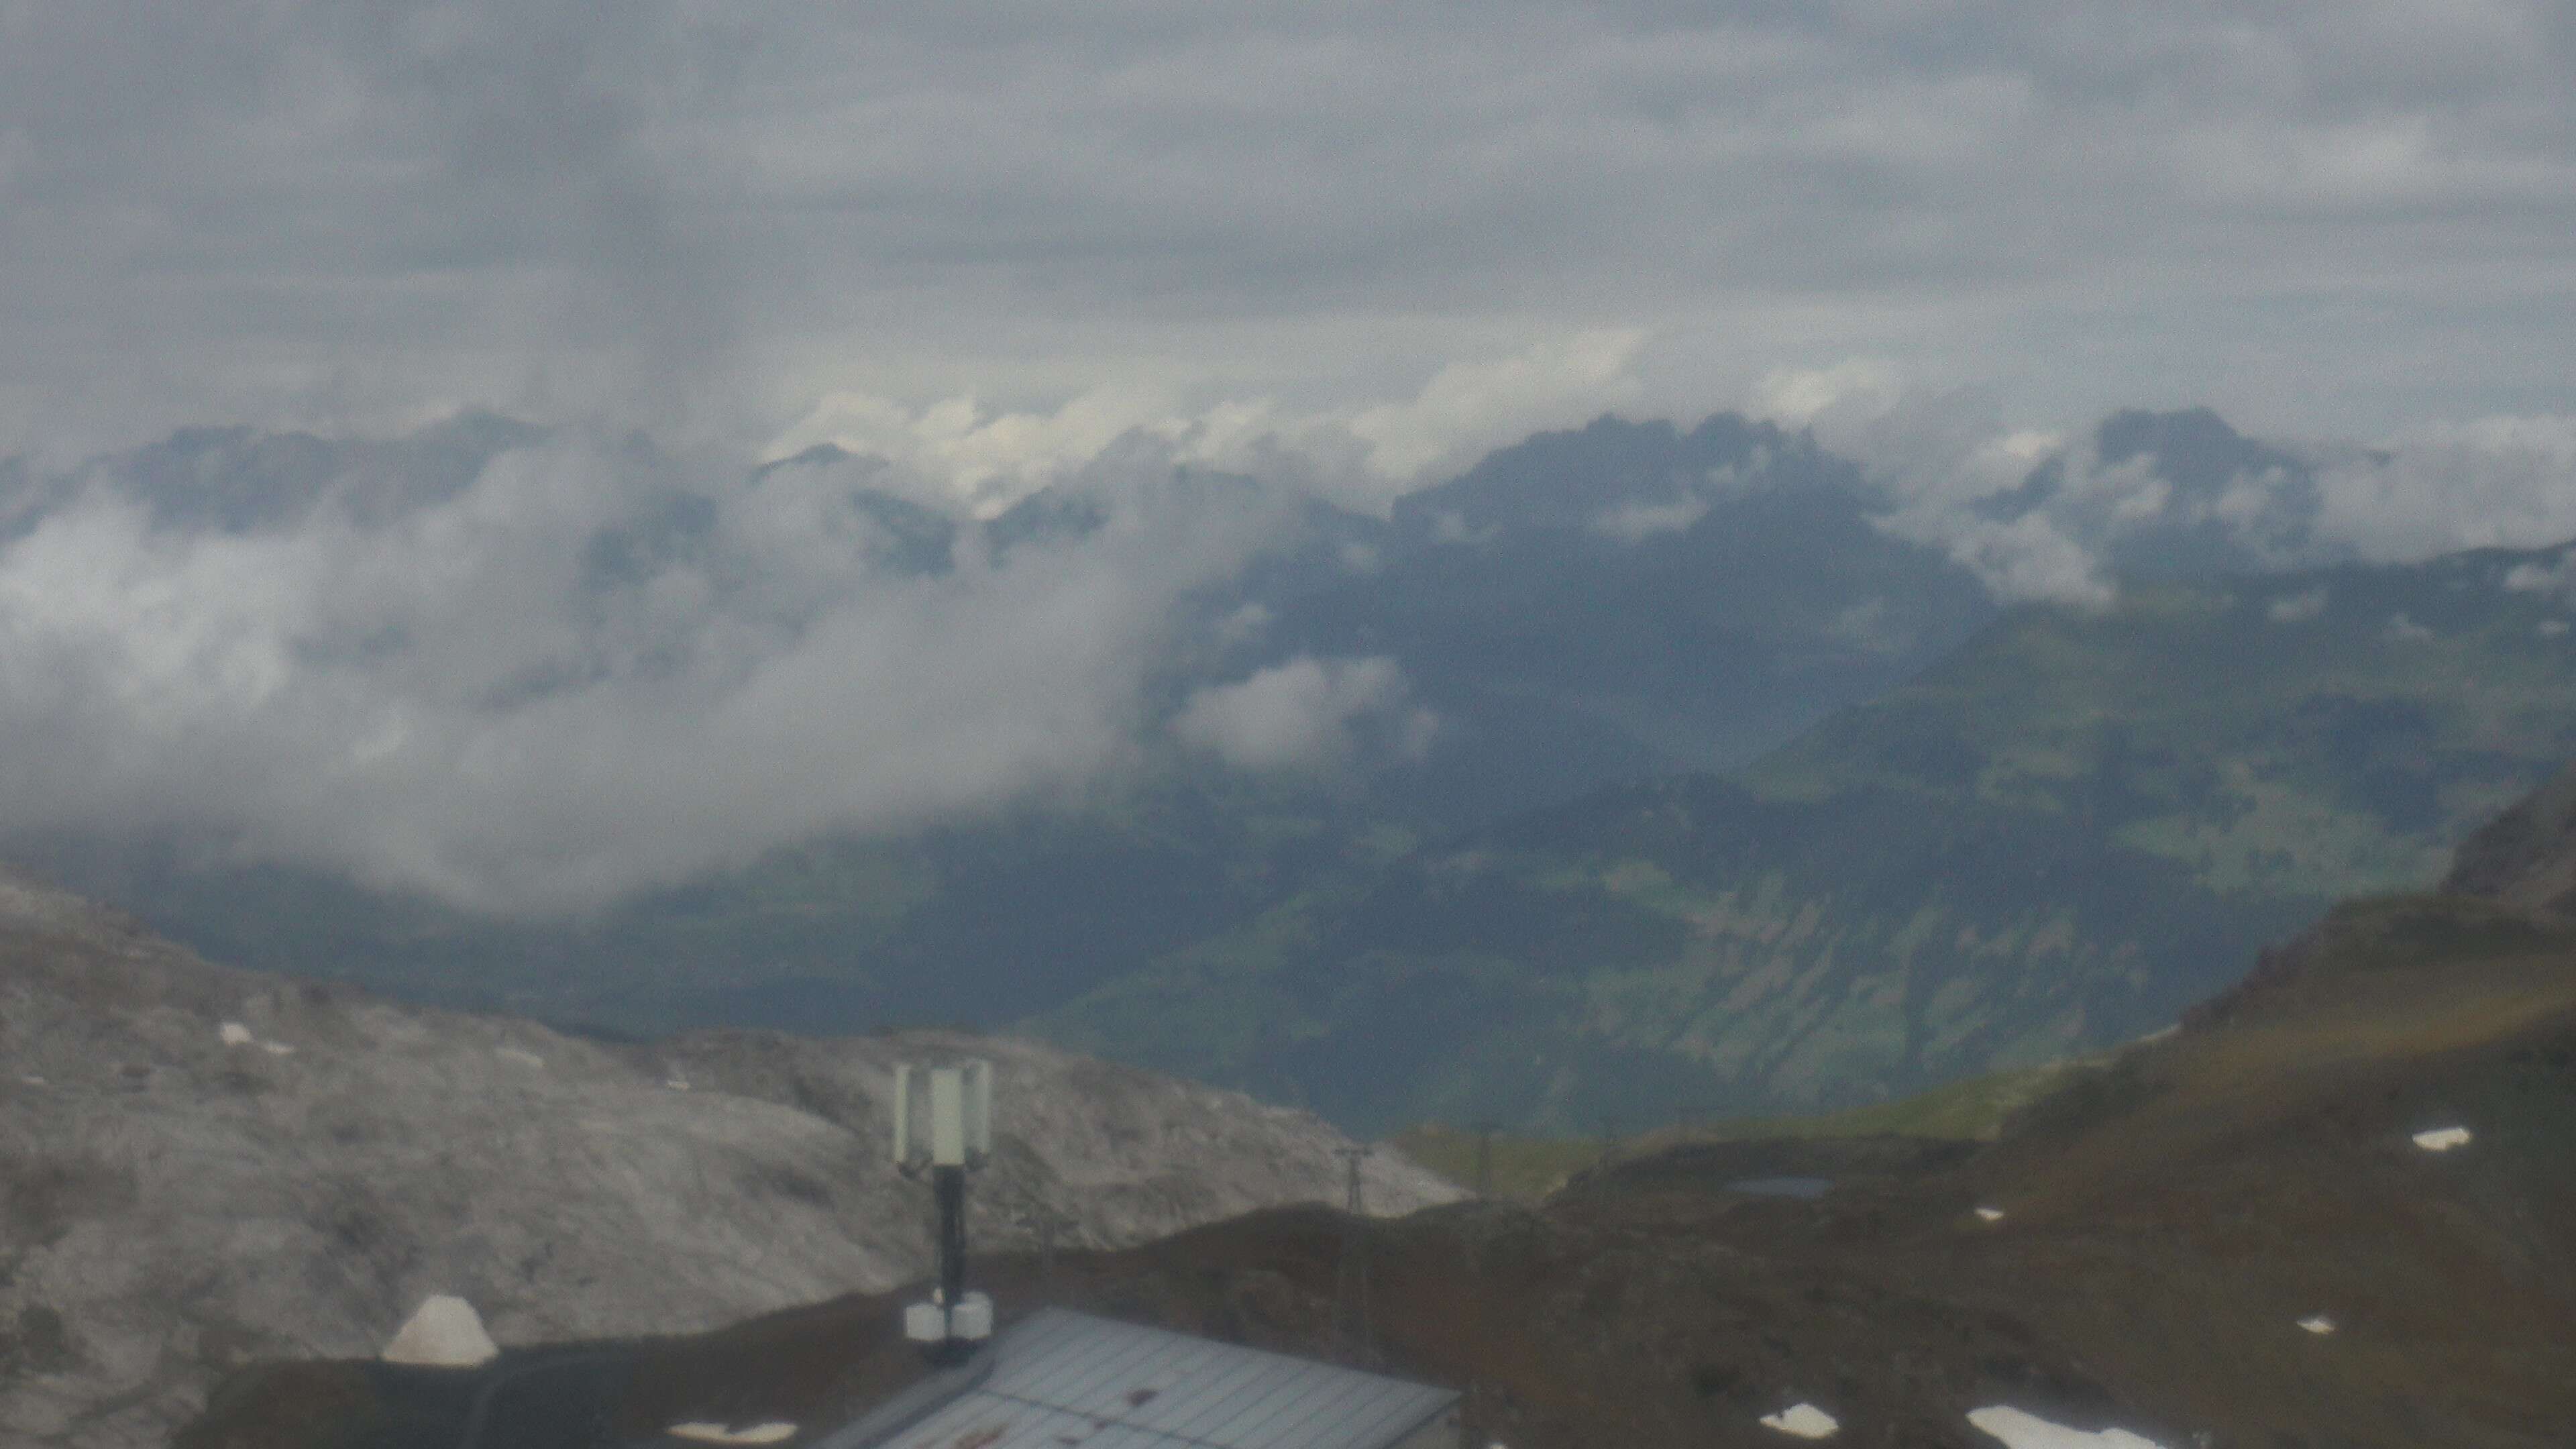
x,y
444,1332
2018,1430
1991,1214
2550,628
1806,1421
2442,1139
2317,1323
676,1084
705,1433
234,1034
277,1048
31,1079
520,1055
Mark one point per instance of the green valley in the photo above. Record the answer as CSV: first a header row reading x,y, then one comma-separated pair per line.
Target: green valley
x,y
2050,842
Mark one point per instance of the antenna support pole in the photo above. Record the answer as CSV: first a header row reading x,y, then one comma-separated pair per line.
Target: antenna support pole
x,y
948,1188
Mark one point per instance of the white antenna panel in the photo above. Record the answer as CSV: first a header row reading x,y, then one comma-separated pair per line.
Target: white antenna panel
x,y
947,1117
979,1108
943,1116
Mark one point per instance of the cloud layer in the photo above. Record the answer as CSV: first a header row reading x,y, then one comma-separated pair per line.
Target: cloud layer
x,y
533,671
368,212
1308,714
2065,515
590,669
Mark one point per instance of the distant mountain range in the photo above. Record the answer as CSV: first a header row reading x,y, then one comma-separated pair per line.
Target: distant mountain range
x,y
2051,841
1697,790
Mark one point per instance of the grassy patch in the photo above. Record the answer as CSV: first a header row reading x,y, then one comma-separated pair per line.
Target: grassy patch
x,y
1528,1168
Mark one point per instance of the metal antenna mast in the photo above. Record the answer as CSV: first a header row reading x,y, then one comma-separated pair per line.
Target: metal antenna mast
x,y
957,1136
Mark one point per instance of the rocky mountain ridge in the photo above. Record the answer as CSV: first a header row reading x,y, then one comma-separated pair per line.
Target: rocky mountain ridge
x,y
201,1166
2527,856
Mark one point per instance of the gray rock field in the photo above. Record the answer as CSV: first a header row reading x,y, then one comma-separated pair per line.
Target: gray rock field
x,y
201,1166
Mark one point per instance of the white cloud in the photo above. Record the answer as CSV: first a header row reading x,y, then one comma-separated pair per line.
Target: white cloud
x,y
978,460
2495,482
2557,580
2297,608
274,209
1360,456
1859,388
1306,715
1471,408
446,700
2025,559
1953,473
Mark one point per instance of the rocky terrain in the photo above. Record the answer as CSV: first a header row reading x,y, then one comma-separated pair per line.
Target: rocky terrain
x,y
200,1167
2336,1209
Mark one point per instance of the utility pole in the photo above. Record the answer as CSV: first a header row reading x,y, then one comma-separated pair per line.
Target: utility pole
x,y
1049,1223
1350,1288
1351,1158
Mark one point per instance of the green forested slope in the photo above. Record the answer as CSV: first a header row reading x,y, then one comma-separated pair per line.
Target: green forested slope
x,y
2053,840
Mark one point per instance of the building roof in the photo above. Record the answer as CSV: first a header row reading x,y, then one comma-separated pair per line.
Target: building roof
x,y
1065,1380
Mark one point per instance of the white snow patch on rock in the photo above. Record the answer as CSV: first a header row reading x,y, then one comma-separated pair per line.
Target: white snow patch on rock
x,y
2442,1139
31,1079
1806,1421
234,1033
277,1048
2018,1430
521,1055
2317,1323
1991,1214
444,1332
705,1433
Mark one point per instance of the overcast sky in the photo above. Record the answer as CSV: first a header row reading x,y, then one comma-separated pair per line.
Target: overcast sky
x,y
2319,216
996,246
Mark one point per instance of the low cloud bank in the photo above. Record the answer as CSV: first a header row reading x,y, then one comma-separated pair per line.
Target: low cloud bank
x,y
2047,515
530,672
589,670
1361,457
1308,714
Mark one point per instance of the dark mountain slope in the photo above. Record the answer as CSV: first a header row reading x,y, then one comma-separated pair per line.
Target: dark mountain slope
x,y
2527,856
2170,1224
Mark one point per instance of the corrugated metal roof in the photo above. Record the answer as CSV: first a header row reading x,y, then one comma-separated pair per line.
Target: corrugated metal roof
x,y
1064,1380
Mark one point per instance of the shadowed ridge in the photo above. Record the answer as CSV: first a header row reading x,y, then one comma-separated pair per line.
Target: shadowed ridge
x,y
2527,856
